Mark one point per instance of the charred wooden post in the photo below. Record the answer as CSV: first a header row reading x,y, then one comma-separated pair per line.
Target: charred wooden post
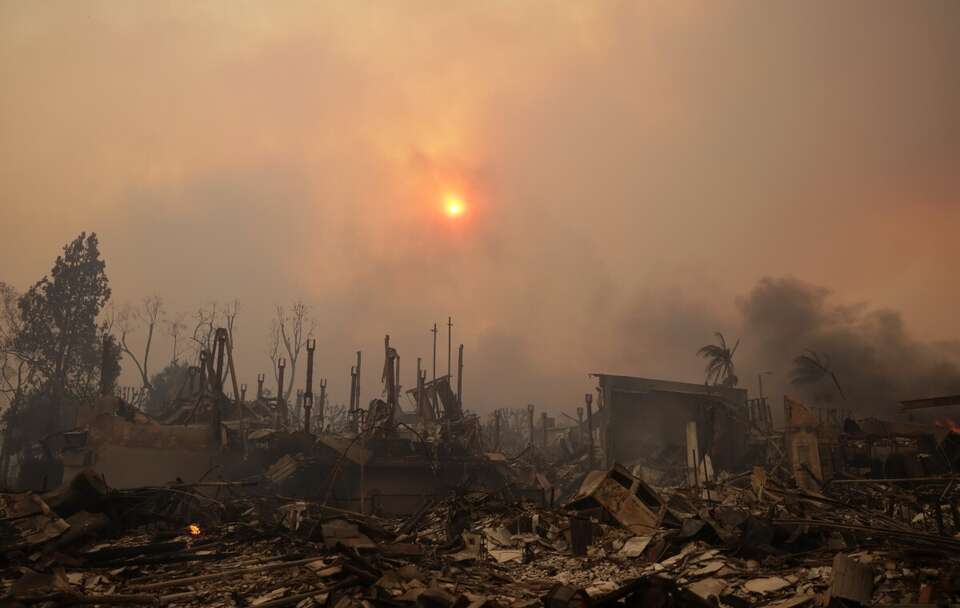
x,y
353,391
221,346
460,379
298,405
434,332
243,419
307,408
543,421
203,369
260,379
357,387
308,390
449,343
530,422
420,383
580,424
588,398
323,404
281,366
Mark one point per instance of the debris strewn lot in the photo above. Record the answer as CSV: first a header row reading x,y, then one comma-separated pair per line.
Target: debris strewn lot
x,y
752,542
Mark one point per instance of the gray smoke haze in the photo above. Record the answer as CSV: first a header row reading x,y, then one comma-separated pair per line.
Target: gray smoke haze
x,y
629,169
876,359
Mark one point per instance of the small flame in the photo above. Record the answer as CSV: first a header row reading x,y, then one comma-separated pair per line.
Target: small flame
x,y
949,424
193,529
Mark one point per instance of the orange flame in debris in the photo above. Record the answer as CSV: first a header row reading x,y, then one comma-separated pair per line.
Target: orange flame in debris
x,y
193,529
950,424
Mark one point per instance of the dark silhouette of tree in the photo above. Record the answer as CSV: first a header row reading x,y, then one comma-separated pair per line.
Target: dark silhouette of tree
x,y
812,367
59,336
169,385
719,370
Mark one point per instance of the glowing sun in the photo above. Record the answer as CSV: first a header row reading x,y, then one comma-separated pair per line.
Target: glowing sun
x,y
453,205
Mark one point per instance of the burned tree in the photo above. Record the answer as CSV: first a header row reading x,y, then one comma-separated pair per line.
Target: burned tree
x,y
811,367
289,333
720,370
149,313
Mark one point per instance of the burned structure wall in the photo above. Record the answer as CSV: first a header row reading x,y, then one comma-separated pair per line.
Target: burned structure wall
x,y
643,420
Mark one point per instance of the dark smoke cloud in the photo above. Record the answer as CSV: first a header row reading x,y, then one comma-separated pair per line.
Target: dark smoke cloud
x,y
876,359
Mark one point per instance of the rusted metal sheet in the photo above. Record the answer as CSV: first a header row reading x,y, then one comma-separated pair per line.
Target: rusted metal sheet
x,y
634,504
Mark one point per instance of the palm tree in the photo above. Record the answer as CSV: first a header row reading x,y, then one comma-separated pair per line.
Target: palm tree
x,y
719,362
811,367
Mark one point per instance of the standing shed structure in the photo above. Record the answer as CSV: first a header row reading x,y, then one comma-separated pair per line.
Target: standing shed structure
x,y
642,419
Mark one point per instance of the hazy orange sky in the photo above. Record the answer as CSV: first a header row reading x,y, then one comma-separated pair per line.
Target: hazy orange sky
x,y
630,169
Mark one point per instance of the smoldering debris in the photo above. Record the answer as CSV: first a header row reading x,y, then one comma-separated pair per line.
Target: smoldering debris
x,y
656,493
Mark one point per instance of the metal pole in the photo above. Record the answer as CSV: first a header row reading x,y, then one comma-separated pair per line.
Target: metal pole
x,y
449,342
589,400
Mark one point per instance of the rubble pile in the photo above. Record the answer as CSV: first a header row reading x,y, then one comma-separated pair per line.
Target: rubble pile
x,y
748,540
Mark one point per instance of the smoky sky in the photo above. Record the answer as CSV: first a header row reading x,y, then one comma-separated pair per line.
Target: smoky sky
x,y
631,171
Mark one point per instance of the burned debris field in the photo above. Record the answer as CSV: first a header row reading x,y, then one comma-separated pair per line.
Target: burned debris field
x,y
652,493
479,304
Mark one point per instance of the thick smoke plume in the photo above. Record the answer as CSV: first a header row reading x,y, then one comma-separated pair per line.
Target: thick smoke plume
x,y
875,358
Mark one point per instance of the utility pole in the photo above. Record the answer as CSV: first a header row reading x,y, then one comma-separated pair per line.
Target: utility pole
x,y
449,342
